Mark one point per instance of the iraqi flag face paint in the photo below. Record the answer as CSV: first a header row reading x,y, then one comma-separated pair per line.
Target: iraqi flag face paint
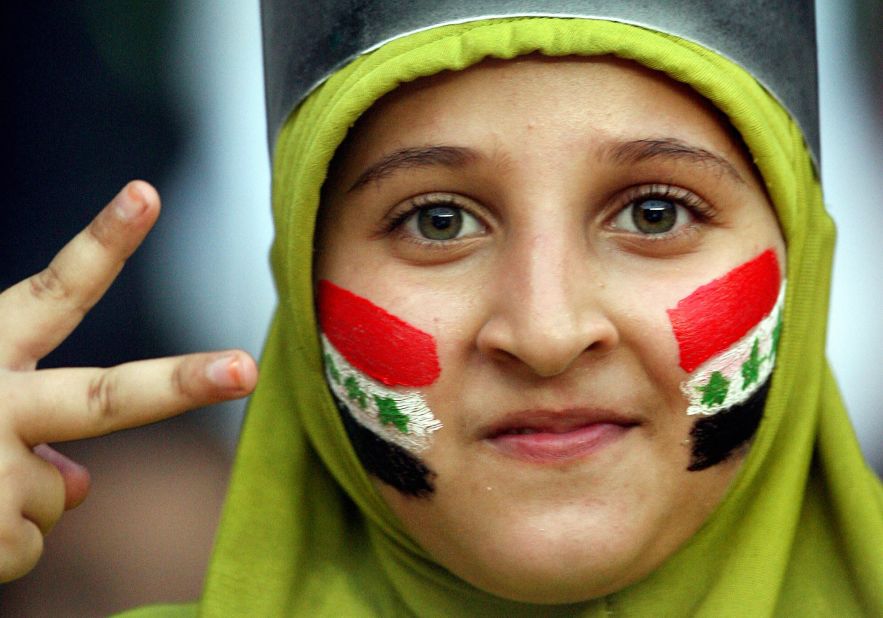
x,y
374,362
385,348
728,333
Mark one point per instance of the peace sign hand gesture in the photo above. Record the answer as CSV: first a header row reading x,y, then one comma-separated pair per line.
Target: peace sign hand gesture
x,y
37,483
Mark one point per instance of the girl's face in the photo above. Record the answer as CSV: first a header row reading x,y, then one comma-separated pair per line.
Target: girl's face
x,y
532,222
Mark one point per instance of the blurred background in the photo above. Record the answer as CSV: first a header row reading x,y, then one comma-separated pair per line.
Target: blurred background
x,y
103,91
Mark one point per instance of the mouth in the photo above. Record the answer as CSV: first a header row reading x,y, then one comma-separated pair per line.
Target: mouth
x,y
544,437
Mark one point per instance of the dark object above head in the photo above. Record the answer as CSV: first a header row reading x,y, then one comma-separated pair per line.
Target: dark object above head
x,y
307,41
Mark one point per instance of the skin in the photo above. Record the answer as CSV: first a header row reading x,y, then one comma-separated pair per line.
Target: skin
x,y
38,483
549,302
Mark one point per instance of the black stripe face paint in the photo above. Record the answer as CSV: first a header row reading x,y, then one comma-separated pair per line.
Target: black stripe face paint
x,y
387,461
716,438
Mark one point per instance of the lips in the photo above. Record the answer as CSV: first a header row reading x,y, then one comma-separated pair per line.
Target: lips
x,y
558,437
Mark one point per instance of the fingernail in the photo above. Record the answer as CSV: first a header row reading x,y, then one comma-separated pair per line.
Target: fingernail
x,y
130,203
224,372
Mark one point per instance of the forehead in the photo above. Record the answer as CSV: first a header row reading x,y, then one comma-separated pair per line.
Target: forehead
x,y
577,106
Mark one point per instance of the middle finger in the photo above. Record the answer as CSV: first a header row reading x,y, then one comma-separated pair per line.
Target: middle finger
x,y
37,314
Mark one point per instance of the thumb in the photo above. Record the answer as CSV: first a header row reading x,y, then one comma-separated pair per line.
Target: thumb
x,y
76,477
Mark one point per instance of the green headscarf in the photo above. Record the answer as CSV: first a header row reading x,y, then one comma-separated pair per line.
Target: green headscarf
x,y
303,530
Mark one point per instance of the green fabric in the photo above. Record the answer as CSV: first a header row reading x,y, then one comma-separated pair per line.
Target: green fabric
x,y
189,610
303,531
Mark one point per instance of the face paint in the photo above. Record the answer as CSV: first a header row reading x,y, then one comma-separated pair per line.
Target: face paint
x,y
715,438
387,461
401,417
366,351
718,314
731,377
728,334
377,343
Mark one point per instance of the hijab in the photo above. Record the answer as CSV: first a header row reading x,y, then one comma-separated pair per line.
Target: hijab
x,y
304,532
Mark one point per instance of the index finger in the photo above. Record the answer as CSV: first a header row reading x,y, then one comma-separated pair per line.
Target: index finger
x,y
55,405
37,314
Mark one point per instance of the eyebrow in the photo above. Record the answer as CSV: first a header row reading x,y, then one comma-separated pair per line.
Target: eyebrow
x,y
411,158
641,150
635,151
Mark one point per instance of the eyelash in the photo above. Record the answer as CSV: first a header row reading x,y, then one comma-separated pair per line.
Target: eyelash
x,y
699,209
396,220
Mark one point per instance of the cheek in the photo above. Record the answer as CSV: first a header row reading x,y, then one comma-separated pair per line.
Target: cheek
x,y
377,367
381,345
728,333
715,345
648,344
716,315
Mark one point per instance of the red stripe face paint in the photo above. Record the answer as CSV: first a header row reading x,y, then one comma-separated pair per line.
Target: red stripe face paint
x,y
375,342
718,314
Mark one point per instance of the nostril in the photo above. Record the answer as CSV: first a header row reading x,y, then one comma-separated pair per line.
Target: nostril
x,y
547,350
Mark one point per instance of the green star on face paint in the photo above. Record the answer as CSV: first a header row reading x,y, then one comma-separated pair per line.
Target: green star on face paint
x,y
715,392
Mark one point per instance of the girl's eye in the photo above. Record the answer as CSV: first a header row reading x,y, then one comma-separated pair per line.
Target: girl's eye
x,y
651,216
442,223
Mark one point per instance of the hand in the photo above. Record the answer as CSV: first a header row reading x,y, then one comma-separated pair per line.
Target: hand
x,y
36,482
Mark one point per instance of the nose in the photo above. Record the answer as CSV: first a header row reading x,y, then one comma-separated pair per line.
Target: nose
x,y
547,308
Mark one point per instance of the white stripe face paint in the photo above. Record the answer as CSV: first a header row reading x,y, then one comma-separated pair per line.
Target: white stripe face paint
x,y
399,416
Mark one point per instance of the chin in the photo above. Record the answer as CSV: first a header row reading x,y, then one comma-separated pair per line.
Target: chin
x,y
558,535
544,573
565,555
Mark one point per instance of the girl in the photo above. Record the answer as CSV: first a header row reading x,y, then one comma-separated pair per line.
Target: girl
x,y
554,347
